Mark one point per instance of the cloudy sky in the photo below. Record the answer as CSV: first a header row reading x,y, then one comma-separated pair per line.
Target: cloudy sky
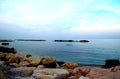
x,y
59,19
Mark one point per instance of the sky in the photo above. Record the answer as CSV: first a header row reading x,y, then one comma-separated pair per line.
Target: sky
x,y
59,19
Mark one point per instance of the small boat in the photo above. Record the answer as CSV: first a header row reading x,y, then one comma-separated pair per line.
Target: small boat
x,y
5,43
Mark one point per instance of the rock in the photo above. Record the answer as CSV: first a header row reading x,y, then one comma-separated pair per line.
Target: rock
x,y
19,77
111,63
2,75
7,50
115,69
60,63
24,63
19,69
84,41
99,73
49,62
73,77
25,73
40,67
28,55
81,71
69,65
2,56
82,77
51,74
11,58
34,60
22,56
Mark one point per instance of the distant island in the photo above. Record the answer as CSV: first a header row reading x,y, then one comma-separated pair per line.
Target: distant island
x,y
29,40
4,40
71,40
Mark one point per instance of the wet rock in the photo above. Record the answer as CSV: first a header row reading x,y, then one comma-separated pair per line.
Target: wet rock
x,y
28,55
49,62
111,63
7,50
60,63
34,60
25,73
69,65
51,74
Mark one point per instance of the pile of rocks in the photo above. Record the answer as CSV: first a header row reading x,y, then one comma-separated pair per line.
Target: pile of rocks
x,y
25,66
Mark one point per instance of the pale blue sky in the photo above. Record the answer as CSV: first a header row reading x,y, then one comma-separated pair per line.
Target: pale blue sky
x,y
59,19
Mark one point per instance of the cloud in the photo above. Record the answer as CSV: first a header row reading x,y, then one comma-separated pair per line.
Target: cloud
x,y
27,13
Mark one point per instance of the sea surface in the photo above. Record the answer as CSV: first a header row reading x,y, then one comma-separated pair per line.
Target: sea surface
x,y
94,52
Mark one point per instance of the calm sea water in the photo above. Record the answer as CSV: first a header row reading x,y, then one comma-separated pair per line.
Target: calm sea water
x,y
94,52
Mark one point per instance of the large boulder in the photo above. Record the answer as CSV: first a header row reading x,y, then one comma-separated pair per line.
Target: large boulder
x,y
82,77
69,65
23,64
2,75
22,56
115,69
11,58
111,63
81,71
99,73
34,60
25,73
49,62
2,56
51,74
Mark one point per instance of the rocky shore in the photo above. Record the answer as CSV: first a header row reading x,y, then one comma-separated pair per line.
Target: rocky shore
x,y
15,65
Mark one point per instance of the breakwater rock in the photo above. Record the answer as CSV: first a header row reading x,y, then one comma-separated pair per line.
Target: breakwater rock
x,y
25,66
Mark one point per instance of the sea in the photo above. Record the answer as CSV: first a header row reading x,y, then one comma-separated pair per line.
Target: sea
x,y
94,52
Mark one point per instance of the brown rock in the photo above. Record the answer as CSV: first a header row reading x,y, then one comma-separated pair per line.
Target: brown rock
x,y
2,56
69,65
2,75
49,62
73,77
81,71
99,73
11,58
115,69
25,73
34,60
50,73
23,64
